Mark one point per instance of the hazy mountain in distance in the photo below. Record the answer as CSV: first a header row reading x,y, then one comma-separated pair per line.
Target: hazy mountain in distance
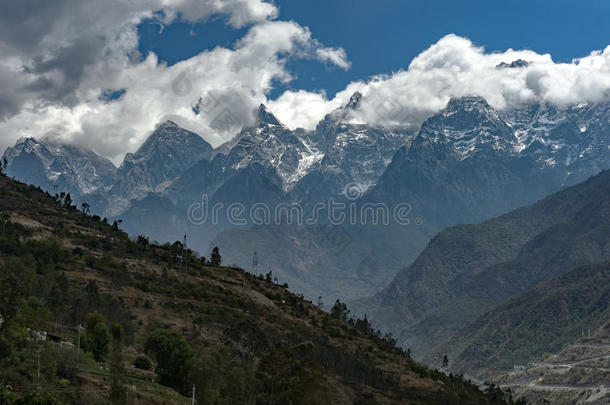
x,y
58,167
544,319
467,163
467,270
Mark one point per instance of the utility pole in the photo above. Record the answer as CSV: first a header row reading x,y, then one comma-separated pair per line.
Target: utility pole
x,y
80,329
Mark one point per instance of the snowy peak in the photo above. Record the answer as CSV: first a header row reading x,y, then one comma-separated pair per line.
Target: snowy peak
x,y
264,117
167,125
44,151
167,152
467,104
566,136
468,125
354,101
170,134
550,135
519,63
51,164
272,145
169,143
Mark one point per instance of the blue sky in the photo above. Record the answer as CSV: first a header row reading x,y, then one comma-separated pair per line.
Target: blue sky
x,y
383,36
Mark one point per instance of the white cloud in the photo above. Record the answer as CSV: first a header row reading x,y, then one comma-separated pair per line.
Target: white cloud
x,y
337,56
57,94
60,90
455,67
302,109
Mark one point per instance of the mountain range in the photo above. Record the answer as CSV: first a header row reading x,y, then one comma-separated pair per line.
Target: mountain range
x,y
55,166
467,163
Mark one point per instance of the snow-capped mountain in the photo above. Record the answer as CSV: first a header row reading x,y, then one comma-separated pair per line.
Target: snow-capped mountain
x,y
58,167
273,145
470,161
575,138
467,126
466,163
167,153
349,153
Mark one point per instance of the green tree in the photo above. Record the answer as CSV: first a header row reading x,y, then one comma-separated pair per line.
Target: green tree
x,y
173,356
97,336
339,311
142,363
215,257
8,397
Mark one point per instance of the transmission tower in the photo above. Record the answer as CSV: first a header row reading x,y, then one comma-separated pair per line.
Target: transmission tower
x,y
255,263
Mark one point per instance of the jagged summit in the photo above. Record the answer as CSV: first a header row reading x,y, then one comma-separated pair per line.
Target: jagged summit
x,y
354,101
52,164
169,130
167,124
264,116
519,63
469,125
26,140
165,154
467,103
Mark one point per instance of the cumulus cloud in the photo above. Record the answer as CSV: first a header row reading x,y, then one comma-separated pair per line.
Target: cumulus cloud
x,y
54,75
59,71
337,56
455,67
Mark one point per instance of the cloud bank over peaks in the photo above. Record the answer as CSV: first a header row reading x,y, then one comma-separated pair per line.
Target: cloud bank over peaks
x,y
455,67
70,55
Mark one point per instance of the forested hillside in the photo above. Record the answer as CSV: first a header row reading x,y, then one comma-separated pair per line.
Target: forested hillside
x,y
467,270
159,322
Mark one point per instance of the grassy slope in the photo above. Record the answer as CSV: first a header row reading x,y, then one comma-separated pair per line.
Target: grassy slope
x,y
258,340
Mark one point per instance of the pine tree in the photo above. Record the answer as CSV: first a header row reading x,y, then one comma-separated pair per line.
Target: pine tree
x,y
68,201
215,257
445,363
